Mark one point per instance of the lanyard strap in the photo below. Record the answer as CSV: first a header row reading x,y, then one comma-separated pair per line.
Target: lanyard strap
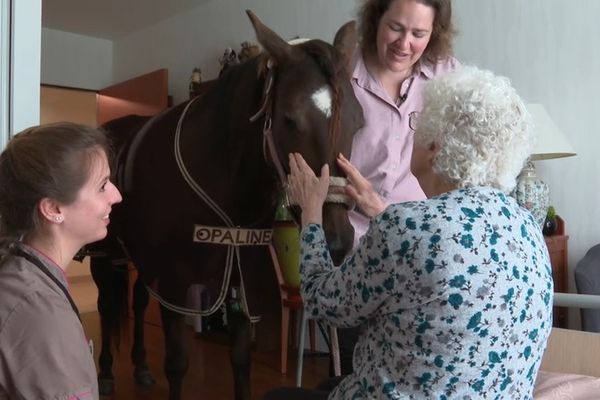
x,y
35,261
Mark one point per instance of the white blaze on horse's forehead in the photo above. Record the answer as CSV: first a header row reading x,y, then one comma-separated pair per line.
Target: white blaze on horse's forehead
x,y
322,99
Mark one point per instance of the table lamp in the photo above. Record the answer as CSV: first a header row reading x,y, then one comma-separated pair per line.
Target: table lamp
x,y
531,192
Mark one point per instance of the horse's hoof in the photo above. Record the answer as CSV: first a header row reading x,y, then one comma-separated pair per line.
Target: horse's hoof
x,y
144,378
106,386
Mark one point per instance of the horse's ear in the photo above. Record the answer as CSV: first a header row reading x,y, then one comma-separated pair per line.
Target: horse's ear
x,y
345,42
278,48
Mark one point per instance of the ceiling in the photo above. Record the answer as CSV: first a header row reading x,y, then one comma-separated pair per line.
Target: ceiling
x,y
110,19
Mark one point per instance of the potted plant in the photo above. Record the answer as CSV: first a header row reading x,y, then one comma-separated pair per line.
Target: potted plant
x,y
550,224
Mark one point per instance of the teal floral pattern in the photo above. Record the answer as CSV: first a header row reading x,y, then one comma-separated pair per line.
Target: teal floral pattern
x,y
454,296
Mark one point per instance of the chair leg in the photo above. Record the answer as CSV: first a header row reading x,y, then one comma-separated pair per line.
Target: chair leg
x,y
299,365
285,325
335,351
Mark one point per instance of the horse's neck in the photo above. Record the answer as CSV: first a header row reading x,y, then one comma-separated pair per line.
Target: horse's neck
x,y
231,147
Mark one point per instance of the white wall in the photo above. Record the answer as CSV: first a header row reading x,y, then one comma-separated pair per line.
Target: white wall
x,y
75,60
199,37
545,47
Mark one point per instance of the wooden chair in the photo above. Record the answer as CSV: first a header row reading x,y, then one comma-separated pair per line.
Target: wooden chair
x,y
291,300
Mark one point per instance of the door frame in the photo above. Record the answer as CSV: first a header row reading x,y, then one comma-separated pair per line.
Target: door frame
x,y
20,66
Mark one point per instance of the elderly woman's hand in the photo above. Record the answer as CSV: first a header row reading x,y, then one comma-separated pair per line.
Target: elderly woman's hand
x,y
306,190
361,190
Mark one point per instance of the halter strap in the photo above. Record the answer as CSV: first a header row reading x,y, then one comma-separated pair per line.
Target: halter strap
x,y
267,110
336,193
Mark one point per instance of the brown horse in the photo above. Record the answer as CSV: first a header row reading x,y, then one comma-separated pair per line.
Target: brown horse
x,y
220,160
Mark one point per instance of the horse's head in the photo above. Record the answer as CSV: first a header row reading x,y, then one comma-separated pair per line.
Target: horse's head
x,y
313,111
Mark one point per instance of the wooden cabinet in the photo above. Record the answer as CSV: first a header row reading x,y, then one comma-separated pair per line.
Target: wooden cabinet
x,y
558,249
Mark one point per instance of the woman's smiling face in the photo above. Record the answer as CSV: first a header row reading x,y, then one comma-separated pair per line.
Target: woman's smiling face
x,y
403,34
86,219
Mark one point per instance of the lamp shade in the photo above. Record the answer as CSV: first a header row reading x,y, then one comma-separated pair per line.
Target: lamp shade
x,y
551,143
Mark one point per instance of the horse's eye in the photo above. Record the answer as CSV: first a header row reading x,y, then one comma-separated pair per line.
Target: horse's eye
x,y
290,123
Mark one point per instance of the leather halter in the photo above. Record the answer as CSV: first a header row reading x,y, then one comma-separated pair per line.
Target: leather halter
x,y
267,110
335,193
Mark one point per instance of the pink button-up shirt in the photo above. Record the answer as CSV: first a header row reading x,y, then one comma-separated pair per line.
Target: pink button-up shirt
x,y
382,149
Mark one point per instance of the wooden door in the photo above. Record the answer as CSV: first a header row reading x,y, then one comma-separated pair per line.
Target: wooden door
x,y
143,95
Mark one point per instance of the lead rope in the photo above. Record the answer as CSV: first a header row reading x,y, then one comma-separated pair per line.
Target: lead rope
x,y
232,251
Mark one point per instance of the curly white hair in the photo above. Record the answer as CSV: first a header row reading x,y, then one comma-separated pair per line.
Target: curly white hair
x,y
481,125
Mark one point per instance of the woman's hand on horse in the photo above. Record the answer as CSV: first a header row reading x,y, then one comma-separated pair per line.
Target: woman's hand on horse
x,y
360,189
307,190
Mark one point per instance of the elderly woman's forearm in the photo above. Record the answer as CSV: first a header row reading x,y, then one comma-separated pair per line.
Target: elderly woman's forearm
x,y
312,216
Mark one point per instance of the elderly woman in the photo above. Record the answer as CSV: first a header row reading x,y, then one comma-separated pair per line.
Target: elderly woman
x,y
454,293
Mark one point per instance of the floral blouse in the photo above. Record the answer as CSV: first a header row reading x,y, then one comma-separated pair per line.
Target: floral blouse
x,y
453,294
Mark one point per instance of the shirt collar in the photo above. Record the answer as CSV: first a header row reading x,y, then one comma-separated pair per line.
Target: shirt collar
x,y
424,68
52,266
360,74
363,78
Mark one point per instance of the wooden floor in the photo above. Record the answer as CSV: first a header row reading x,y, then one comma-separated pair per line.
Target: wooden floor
x,y
209,375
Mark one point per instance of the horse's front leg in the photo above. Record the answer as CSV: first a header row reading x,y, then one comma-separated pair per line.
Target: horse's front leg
x,y
108,308
176,357
142,373
239,342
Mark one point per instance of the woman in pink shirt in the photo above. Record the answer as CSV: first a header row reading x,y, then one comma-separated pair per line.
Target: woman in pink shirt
x,y
403,44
